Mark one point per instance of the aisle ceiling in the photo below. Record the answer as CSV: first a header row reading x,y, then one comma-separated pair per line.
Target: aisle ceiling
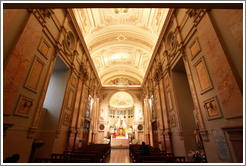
x,y
121,41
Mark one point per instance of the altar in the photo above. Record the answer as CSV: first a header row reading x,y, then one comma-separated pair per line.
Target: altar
x,y
120,137
119,142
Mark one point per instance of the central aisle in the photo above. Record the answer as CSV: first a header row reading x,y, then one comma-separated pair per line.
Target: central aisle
x,y
119,156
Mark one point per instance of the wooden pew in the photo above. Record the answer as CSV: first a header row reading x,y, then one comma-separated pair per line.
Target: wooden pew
x,y
50,160
91,157
164,159
93,153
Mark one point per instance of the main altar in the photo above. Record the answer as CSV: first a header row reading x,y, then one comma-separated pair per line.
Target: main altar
x,y
120,136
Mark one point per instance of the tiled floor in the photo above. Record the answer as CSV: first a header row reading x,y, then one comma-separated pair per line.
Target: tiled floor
x,y
119,156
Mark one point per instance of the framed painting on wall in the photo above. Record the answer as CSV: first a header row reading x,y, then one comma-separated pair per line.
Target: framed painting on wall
x,y
34,74
194,48
212,108
203,76
43,48
24,106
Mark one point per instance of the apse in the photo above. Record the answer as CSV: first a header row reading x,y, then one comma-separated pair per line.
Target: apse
x,y
121,100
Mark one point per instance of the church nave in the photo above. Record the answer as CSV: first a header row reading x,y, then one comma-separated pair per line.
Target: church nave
x,y
119,156
81,80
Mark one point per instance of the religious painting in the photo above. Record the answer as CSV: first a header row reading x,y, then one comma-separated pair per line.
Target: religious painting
x,y
203,76
34,75
67,118
43,48
121,81
172,120
70,99
24,106
194,48
169,101
212,108
166,82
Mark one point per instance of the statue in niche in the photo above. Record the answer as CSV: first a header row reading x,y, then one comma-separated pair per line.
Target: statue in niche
x,y
121,127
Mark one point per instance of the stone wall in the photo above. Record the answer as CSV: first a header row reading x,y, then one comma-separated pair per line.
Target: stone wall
x,y
200,45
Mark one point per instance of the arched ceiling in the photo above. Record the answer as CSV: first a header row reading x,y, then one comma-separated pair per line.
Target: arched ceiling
x,y
121,100
121,41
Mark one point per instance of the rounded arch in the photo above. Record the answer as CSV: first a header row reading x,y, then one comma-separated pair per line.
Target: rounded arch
x,y
121,99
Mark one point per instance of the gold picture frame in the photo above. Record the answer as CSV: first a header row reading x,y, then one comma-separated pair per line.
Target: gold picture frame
x,y
212,108
203,76
44,48
195,48
34,74
24,106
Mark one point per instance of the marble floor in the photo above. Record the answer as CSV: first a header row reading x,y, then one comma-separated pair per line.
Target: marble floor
x,y
119,156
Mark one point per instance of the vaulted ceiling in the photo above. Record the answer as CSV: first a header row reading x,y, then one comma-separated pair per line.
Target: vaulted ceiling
x,y
121,41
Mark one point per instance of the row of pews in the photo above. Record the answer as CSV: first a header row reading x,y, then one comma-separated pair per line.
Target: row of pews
x,y
156,156
94,153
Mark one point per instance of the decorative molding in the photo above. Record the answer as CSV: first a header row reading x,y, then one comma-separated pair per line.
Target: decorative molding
x,y
67,119
6,126
44,48
70,99
34,74
203,76
196,14
46,12
172,120
195,48
31,132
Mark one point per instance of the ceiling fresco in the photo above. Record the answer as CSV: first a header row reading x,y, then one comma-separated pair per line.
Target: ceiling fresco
x,y
121,40
121,100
